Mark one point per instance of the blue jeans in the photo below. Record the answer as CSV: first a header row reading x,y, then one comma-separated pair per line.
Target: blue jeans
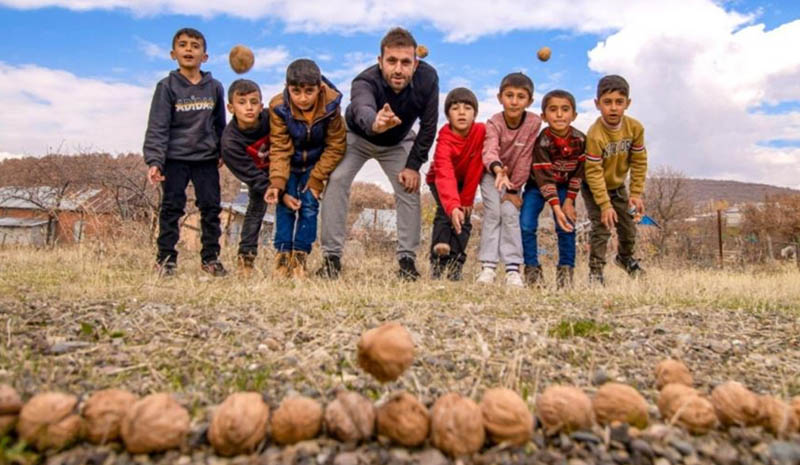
x,y
532,205
297,230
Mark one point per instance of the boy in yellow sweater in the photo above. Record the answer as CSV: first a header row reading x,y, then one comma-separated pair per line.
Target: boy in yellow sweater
x,y
614,146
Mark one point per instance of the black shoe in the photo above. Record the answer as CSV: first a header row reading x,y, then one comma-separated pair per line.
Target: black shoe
x,y
408,269
454,271
630,265
534,276
564,276
438,267
596,276
331,267
214,268
167,269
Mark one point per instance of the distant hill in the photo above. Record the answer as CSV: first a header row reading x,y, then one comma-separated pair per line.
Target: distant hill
x,y
704,190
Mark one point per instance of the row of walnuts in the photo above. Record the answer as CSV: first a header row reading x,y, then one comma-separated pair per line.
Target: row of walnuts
x,y
455,424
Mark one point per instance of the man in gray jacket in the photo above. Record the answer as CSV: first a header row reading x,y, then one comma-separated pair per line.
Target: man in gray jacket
x,y
181,144
386,100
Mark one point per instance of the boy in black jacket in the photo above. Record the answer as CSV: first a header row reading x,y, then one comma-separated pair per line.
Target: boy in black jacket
x,y
181,144
245,151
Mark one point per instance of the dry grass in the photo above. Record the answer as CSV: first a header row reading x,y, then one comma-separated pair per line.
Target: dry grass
x,y
78,319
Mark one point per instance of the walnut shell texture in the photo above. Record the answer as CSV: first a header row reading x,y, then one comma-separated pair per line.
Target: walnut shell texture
x,y
736,405
296,419
457,425
239,424
350,417
620,402
564,408
50,421
154,423
506,416
672,371
403,419
386,352
103,413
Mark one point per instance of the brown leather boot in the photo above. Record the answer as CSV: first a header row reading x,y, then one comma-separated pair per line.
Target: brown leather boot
x,y
282,264
297,265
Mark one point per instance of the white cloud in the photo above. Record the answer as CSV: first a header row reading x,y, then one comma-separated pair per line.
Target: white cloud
x,y
269,58
152,50
58,111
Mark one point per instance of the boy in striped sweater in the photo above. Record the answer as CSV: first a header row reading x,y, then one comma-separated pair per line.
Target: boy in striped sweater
x,y
614,147
558,159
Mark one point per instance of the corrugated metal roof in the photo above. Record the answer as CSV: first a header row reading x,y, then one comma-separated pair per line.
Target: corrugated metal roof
x,y
7,222
43,198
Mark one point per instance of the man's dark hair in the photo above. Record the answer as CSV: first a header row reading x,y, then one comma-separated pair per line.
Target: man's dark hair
x,y
398,37
303,72
460,95
613,83
558,93
517,80
242,87
191,32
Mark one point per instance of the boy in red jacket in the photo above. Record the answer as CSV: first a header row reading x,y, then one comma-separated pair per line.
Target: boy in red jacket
x,y
453,179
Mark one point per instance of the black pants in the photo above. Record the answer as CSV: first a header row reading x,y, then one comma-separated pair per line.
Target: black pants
x,y
205,179
443,232
251,227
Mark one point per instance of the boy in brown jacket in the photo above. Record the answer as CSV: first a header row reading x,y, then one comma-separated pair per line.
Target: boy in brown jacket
x,y
307,141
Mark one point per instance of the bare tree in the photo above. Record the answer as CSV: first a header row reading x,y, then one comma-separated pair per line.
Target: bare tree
x,y
667,201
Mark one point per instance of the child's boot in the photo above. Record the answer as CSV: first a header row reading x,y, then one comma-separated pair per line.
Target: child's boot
x,y
454,272
534,276
564,276
282,264
596,276
246,264
298,264
630,265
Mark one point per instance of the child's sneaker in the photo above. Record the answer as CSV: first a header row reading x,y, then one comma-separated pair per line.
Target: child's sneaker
x,y
534,276
408,269
331,267
167,269
630,265
514,279
596,276
297,264
282,264
487,275
564,277
214,268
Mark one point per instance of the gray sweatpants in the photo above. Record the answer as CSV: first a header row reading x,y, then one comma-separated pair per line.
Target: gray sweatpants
x,y
337,194
501,236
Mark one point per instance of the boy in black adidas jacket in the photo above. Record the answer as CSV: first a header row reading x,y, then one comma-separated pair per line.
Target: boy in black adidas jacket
x,y
181,144
245,151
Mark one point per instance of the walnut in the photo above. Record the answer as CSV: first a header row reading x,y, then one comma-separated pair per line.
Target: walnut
x,y
386,352
241,59
457,425
350,417
684,406
779,417
422,51
154,423
10,402
736,405
672,371
298,418
50,421
564,408
619,402
506,416
239,424
403,419
796,408
103,413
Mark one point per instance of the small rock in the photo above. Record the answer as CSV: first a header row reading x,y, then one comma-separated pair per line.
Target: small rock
x,y
600,377
67,346
726,455
346,458
620,456
431,457
785,452
661,461
642,447
620,433
683,447
585,436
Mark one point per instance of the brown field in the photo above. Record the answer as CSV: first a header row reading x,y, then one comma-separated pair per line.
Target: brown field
x,y
83,318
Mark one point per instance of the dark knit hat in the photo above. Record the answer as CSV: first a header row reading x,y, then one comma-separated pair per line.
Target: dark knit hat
x,y
460,95
517,80
612,83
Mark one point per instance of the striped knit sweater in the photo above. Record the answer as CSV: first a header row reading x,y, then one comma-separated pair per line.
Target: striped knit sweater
x,y
559,160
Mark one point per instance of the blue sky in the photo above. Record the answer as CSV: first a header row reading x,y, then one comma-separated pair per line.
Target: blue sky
x,y
716,84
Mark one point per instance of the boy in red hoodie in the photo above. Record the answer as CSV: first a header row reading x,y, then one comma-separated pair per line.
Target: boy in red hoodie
x,y
453,179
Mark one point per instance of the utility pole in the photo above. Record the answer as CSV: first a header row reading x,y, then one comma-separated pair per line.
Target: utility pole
x,y
719,238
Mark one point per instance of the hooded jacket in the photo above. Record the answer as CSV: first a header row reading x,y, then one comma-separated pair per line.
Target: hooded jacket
x,y
298,144
240,152
457,166
186,120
